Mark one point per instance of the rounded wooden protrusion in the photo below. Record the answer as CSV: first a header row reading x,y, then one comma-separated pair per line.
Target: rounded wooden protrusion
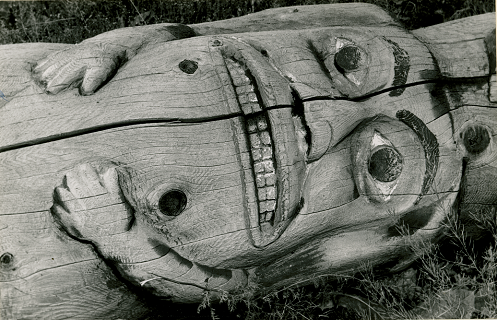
x,y
476,139
172,203
188,66
349,58
385,165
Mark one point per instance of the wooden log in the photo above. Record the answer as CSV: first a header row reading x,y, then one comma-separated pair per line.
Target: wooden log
x,y
138,93
301,17
264,150
459,46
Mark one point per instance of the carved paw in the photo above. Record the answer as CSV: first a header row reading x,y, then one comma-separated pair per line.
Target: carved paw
x,y
86,65
89,203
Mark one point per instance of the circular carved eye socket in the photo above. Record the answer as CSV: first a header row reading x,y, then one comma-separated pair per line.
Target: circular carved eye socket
x,y
476,139
188,66
172,203
385,165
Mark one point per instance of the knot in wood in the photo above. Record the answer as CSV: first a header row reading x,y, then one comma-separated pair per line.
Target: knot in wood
x,y
385,165
216,43
476,139
188,66
349,58
6,259
172,203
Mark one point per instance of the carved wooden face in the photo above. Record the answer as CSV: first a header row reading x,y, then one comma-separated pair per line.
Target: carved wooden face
x,y
223,161
294,150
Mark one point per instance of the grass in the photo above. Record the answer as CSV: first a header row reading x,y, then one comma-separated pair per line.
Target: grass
x,y
452,279
72,21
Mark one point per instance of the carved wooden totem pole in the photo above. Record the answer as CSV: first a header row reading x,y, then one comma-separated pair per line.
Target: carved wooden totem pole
x,y
263,150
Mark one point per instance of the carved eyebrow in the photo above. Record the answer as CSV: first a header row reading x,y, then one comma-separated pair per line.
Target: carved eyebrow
x,y
401,68
430,146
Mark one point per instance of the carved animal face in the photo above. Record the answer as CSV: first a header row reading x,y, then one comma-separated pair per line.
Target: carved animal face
x,y
298,151
218,162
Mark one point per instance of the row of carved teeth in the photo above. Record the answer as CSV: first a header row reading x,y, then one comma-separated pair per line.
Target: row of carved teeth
x,y
244,88
261,151
261,145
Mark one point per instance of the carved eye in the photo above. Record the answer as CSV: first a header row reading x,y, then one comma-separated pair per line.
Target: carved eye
x,y
172,203
359,63
381,169
348,64
349,58
385,164
381,149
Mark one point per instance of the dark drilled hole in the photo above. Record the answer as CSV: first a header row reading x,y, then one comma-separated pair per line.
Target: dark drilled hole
x,y
385,165
6,258
188,66
476,139
217,43
172,203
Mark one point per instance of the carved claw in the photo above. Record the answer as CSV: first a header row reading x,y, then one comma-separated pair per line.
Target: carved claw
x,y
89,203
86,65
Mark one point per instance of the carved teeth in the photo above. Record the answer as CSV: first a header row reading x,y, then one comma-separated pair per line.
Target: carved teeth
x,y
267,193
269,215
261,144
244,88
267,206
237,73
263,161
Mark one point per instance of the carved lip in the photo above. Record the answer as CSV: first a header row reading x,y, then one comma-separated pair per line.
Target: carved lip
x,y
277,165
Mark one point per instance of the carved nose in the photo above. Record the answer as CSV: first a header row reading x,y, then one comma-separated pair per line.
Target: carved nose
x,y
329,121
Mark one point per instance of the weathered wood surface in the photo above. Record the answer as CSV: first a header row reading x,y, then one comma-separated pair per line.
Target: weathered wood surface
x,y
188,170
459,46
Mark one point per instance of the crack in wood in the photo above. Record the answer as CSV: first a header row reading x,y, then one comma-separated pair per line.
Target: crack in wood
x,y
25,278
179,121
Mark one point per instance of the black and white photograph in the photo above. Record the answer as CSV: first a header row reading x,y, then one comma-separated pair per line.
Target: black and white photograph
x,y
248,159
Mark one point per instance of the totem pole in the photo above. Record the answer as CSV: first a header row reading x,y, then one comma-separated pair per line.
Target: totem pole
x,y
173,160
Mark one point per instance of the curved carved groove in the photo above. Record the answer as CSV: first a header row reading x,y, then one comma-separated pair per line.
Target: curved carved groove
x,y
430,145
401,68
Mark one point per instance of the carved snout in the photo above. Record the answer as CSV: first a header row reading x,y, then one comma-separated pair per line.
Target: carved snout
x,y
329,121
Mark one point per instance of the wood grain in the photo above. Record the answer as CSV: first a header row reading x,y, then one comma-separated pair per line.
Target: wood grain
x,y
202,162
459,46
169,119
300,17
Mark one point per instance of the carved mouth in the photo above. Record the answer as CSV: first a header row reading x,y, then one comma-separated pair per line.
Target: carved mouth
x,y
260,141
273,147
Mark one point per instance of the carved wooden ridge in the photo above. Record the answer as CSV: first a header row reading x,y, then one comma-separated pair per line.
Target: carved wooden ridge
x,y
174,160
